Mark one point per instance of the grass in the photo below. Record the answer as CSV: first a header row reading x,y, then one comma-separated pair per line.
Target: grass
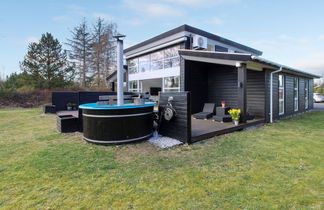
x,y
278,166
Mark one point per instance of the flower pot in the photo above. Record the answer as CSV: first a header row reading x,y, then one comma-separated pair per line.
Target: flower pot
x,y
236,122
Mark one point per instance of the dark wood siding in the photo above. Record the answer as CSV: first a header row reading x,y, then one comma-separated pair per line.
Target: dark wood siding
x,y
289,95
61,99
210,83
222,85
275,96
180,127
311,92
256,93
185,45
267,95
301,95
216,83
196,76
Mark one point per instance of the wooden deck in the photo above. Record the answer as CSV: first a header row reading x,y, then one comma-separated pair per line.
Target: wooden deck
x,y
73,113
205,129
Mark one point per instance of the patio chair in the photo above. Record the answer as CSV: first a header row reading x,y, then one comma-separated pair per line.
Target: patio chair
x,y
207,112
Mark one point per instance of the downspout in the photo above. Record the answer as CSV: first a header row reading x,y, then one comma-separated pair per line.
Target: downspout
x,y
271,92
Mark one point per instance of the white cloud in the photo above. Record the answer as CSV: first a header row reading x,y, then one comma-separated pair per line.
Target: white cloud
x,y
104,16
31,39
215,21
61,18
293,39
71,11
202,3
162,10
148,9
321,38
134,21
77,10
313,63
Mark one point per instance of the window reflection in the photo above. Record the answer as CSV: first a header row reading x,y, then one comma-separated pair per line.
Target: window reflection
x,y
162,59
144,63
171,84
133,66
281,95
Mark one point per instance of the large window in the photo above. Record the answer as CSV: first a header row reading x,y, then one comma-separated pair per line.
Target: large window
x,y
281,93
171,57
144,63
171,84
296,86
157,60
162,59
306,93
133,66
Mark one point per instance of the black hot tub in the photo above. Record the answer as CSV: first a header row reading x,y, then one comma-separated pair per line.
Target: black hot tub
x,y
106,124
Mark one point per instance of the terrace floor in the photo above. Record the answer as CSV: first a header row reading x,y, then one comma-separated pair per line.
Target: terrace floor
x,y
205,129
74,113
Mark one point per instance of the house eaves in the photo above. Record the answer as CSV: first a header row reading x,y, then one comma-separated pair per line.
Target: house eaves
x,y
253,62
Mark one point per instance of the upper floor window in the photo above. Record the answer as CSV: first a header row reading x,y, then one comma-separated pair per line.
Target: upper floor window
x,y
220,49
144,63
171,57
162,59
306,93
133,65
157,60
281,94
296,86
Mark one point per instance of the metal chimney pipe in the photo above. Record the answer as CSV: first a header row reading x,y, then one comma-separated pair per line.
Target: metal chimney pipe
x,y
120,70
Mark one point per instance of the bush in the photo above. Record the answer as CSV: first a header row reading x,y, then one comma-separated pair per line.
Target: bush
x,y
25,99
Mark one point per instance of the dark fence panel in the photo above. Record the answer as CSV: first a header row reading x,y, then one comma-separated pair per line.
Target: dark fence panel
x,y
180,127
61,99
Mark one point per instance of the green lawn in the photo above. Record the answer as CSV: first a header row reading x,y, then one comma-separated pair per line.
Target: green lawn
x,y
278,166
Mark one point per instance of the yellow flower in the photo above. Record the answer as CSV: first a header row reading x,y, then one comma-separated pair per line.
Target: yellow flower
x,y
235,113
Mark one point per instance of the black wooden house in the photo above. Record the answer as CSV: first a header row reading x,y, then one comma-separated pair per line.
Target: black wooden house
x,y
214,69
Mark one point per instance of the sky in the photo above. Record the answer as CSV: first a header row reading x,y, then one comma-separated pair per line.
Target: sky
x,y
290,32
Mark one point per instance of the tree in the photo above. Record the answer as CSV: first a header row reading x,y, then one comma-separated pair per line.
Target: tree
x,y
18,80
80,52
47,64
103,50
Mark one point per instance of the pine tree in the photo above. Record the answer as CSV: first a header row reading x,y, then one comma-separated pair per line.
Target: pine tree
x,y
47,64
80,52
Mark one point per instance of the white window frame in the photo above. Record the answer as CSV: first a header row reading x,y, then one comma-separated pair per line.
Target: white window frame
x,y
173,88
296,97
282,88
306,93
135,90
164,59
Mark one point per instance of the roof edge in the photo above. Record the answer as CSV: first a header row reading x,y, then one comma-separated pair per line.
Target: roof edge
x,y
198,31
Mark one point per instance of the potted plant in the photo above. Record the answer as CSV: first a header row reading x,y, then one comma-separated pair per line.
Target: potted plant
x,y
235,113
71,106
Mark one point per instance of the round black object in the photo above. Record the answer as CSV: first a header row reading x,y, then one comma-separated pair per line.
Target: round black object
x,y
117,125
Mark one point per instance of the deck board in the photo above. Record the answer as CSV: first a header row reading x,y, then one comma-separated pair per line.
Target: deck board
x,y
205,129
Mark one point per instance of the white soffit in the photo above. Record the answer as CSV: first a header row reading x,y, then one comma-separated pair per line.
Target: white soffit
x,y
258,66
211,60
